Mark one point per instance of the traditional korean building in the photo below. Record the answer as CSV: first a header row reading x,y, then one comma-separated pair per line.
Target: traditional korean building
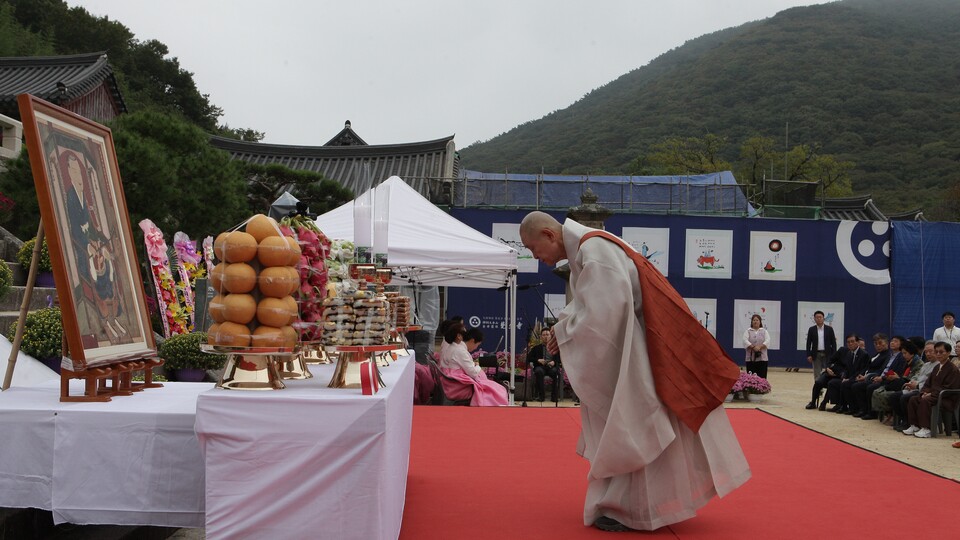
x,y
428,166
81,83
862,208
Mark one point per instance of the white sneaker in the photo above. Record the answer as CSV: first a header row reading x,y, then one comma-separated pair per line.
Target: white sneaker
x,y
923,433
911,430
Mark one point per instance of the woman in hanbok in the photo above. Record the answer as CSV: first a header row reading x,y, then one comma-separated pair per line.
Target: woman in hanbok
x,y
457,363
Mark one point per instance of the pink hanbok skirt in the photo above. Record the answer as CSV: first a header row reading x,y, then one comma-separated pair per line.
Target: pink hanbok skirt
x,y
422,384
486,393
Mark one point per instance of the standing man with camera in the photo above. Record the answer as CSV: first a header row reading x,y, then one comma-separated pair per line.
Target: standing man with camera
x,y
821,344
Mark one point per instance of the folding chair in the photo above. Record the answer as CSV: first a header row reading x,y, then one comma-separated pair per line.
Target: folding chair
x,y
440,395
949,416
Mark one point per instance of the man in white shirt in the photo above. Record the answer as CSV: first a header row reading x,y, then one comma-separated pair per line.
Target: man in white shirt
x,y
821,344
948,333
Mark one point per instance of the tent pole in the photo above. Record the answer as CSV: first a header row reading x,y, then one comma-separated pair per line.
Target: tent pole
x,y
506,336
513,334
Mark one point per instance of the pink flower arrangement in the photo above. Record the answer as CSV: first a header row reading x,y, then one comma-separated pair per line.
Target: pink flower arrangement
x,y
751,384
314,247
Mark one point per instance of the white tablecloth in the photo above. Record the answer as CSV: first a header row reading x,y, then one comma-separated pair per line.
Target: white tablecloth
x,y
132,461
308,461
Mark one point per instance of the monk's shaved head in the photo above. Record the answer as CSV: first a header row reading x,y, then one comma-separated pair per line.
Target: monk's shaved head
x,y
536,221
543,236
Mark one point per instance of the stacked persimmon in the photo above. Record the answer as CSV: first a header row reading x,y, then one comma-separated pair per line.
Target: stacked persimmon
x,y
255,280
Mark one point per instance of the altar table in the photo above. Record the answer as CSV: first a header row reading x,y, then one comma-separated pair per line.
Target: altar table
x,y
132,461
307,461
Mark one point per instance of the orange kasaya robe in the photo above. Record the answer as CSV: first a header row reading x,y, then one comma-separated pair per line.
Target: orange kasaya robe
x,y
691,380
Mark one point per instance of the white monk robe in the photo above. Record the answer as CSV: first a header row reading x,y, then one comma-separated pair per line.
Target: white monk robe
x,y
647,469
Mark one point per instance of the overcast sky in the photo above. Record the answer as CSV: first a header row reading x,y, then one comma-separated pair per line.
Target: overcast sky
x,y
406,71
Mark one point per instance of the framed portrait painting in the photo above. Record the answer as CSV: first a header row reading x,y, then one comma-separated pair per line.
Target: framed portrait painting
x,y
87,228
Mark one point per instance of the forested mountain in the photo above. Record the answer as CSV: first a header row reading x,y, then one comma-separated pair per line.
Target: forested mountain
x,y
873,82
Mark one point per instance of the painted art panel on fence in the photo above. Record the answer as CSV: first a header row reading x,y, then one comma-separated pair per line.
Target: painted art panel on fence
x,y
773,256
651,242
708,254
509,234
705,311
553,304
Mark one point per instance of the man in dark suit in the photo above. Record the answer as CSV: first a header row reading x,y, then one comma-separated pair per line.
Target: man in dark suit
x,y
543,364
821,344
855,365
842,365
849,400
863,390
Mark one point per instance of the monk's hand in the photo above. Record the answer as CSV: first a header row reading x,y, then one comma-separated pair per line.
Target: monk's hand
x,y
552,344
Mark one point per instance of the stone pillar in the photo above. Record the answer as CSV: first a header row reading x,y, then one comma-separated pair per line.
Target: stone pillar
x,y
590,214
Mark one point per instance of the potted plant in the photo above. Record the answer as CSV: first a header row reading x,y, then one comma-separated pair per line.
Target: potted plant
x,y
42,336
44,267
751,385
6,279
182,356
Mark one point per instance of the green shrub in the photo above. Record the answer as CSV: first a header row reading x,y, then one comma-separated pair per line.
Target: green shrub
x,y
6,279
42,334
25,254
182,351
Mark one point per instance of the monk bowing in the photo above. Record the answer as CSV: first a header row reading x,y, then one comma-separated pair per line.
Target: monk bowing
x,y
651,382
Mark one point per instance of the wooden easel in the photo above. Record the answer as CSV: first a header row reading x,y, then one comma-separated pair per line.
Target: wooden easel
x,y
101,383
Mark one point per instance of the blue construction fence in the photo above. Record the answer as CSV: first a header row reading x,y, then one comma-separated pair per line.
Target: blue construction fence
x,y
867,277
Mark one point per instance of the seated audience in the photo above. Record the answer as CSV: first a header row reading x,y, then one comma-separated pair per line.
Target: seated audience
x,y
850,403
898,401
856,364
841,363
945,376
456,363
864,389
893,382
543,364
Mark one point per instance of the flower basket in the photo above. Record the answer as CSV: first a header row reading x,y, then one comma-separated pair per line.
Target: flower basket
x,y
749,383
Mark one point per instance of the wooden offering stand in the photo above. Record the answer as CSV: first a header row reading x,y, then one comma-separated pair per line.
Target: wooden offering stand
x,y
102,383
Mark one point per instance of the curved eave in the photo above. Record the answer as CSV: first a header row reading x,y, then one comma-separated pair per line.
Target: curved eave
x,y
269,150
911,215
80,73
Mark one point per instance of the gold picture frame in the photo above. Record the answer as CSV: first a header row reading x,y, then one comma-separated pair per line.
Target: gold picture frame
x,y
87,228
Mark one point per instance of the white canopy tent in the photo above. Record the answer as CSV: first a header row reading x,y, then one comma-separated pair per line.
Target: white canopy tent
x,y
427,246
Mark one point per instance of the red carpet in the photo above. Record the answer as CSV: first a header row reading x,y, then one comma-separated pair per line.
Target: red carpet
x,y
511,473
